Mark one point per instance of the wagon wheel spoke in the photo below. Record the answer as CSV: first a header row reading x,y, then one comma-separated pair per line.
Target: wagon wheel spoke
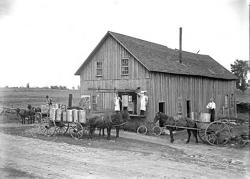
x,y
211,138
85,130
202,135
38,117
43,126
224,136
157,130
62,128
47,127
218,133
76,130
142,129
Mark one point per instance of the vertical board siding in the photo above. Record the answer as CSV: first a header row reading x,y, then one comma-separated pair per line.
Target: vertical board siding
x,y
161,87
198,90
111,53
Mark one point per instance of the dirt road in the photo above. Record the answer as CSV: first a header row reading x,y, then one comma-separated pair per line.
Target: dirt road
x,y
145,158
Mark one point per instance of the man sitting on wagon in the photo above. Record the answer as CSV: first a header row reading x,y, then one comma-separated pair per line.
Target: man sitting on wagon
x,y
49,100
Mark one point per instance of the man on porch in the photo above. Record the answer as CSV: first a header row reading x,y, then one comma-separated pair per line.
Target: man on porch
x,y
144,102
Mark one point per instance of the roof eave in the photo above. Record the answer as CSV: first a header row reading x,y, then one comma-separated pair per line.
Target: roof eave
x,y
128,50
78,72
186,74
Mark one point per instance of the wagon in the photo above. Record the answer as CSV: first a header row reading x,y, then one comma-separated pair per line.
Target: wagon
x,y
60,121
213,133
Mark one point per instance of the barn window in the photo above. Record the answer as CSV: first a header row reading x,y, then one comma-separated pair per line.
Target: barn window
x,y
124,66
99,69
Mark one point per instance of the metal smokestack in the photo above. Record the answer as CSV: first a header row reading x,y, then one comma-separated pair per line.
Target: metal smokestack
x,y
180,46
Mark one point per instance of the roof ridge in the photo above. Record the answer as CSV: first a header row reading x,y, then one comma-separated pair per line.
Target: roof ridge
x,y
139,39
160,58
173,49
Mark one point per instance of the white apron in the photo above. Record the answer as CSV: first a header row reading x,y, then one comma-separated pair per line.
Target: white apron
x,y
144,100
117,104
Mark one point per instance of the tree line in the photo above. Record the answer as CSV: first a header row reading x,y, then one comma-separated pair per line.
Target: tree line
x,y
240,69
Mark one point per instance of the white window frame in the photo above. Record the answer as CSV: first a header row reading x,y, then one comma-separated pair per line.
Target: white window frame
x,y
99,68
124,68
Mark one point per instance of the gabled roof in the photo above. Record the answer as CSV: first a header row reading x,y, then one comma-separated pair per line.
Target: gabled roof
x,y
159,58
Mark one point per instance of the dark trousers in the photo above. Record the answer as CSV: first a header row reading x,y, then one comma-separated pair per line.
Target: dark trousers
x,y
142,112
212,112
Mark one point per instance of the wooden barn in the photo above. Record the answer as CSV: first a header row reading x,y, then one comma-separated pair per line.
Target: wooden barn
x,y
122,64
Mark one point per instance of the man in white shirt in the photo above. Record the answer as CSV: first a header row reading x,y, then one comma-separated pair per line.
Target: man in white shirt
x,y
144,102
211,107
117,100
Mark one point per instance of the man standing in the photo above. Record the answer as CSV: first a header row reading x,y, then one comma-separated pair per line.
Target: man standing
x,y
211,107
144,101
49,100
117,101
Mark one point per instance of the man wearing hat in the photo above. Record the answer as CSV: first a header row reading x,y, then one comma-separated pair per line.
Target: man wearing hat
x,y
211,107
144,101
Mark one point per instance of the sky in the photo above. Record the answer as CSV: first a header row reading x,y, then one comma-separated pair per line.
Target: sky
x,y
44,42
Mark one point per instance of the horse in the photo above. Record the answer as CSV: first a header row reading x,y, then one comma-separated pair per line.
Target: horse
x,y
22,113
107,120
101,131
181,122
28,113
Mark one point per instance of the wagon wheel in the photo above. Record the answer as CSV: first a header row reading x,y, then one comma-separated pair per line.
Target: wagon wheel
x,y
85,129
157,130
61,128
76,130
47,127
38,117
202,135
217,133
142,129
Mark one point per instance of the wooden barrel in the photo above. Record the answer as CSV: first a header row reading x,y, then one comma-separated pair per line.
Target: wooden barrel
x,y
204,117
75,115
204,120
52,114
64,116
82,116
58,115
69,115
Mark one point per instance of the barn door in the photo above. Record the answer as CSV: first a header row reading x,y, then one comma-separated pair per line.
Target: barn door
x,y
162,107
99,101
188,109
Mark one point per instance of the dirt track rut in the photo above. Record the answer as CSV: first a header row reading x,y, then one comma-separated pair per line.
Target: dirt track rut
x,y
47,159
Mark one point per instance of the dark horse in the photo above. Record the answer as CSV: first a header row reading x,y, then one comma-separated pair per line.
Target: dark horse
x,y
107,120
28,113
181,122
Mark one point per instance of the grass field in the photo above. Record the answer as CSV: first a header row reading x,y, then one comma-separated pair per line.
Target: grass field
x,y
21,97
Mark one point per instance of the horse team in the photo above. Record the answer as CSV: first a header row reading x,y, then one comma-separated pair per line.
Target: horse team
x,y
115,120
28,114
107,121
184,122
